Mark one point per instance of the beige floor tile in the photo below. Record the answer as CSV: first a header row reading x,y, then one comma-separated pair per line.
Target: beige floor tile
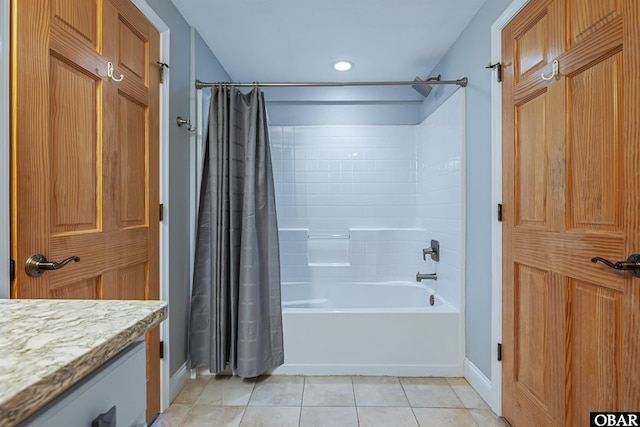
x,y
191,391
486,418
328,416
278,390
271,416
430,393
379,391
386,417
219,416
328,391
226,391
444,417
467,395
172,416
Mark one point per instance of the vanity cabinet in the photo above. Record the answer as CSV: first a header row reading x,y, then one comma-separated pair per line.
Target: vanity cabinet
x,y
120,382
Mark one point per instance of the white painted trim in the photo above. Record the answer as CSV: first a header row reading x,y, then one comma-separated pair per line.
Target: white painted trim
x,y
165,264
463,228
178,381
495,399
165,49
152,16
370,370
5,137
478,381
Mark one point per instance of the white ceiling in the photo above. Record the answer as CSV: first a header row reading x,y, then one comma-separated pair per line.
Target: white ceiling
x,y
298,40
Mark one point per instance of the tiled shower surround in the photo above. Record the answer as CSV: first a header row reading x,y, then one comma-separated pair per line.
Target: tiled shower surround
x,y
358,203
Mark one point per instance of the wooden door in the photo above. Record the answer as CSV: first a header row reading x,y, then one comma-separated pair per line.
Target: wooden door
x,y
571,156
85,154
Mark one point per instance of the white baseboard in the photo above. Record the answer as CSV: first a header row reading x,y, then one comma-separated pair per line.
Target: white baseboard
x,y
375,370
178,381
479,382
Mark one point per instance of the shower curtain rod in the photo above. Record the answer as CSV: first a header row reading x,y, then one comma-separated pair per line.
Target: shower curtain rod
x,y
461,82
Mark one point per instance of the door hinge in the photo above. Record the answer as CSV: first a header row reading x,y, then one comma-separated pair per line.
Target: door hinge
x,y
498,67
161,349
12,270
499,352
161,67
500,212
161,212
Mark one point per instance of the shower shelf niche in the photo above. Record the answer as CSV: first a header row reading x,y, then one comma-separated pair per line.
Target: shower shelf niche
x,y
328,250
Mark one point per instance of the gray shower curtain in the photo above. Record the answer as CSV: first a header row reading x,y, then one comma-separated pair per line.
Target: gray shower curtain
x,y
236,318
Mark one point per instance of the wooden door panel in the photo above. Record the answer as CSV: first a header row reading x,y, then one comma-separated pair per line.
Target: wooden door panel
x,y
131,172
86,289
596,97
132,50
537,362
531,296
531,47
555,251
595,348
75,200
99,253
78,17
587,17
531,162
126,283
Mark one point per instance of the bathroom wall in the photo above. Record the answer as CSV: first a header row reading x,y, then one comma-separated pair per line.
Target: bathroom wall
x,y
177,209
358,203
468,57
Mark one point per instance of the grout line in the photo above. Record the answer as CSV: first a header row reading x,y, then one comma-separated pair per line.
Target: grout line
x,y
304,385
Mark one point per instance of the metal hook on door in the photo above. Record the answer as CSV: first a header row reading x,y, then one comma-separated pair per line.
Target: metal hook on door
x,y
555,66
110,73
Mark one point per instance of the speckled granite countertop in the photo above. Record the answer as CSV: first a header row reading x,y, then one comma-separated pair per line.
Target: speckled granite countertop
x,y
48,345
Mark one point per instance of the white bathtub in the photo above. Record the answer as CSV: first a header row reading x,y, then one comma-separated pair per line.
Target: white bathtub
x,y
369,329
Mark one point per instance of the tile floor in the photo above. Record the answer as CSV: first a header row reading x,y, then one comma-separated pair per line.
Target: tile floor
x,y
336,401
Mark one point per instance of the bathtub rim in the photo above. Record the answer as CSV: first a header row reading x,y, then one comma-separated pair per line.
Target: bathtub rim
x,y
442,305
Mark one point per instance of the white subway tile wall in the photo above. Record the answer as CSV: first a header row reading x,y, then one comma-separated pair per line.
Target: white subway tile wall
x,y
391,189
440,191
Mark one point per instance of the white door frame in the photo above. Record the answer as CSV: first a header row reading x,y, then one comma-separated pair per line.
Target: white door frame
x,y
163,115
496,197
163,29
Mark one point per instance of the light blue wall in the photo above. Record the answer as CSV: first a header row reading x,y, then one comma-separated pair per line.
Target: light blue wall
x,y
181,85
468,57
207,66
369,105
292,113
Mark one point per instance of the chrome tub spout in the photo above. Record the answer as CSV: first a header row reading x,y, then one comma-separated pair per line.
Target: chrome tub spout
x,y
424,276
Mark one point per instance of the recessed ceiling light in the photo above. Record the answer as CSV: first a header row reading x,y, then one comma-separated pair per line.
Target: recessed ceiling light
x,y
342,65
